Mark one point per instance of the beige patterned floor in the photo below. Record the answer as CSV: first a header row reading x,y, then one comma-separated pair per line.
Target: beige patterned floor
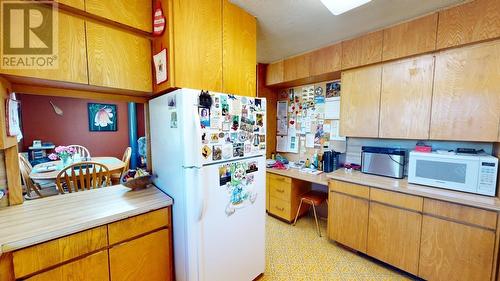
x,y
297,253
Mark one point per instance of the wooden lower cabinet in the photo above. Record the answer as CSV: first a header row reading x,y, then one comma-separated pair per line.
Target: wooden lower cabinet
x,y
454,251
394,236
93,267
146,258
348,220
284,196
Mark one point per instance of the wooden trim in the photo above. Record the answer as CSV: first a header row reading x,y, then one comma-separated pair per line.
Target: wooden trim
x,y
71,93
458,221
88,16
15,190
395,207
350,195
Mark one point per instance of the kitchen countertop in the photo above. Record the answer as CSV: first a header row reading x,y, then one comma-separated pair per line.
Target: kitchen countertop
x,y
41,220
402,185
296,174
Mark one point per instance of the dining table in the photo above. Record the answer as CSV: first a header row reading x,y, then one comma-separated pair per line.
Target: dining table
x,y
48,171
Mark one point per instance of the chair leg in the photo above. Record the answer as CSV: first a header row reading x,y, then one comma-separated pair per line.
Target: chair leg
x,y
316,219
298,210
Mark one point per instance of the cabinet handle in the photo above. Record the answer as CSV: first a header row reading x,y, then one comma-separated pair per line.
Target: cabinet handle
x,y
280,190
281,209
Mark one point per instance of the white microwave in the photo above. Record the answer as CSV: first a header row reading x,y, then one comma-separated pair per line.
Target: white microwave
x,y
469,173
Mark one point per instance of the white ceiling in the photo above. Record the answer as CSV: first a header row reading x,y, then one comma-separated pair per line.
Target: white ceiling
x,y
290,27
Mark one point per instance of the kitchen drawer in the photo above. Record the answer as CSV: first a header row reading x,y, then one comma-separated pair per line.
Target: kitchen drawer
x,y
396,199
461,213
280,208
33,259
135,226
279,179
280,188
350,189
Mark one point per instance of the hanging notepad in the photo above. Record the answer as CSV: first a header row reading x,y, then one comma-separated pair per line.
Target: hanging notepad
x,y
332,108
282,144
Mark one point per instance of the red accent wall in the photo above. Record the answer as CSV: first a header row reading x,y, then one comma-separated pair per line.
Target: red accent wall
x,y
39,121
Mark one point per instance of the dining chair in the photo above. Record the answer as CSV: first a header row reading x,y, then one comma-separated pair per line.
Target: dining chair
x,y
25,167
115,178
83,176
82,150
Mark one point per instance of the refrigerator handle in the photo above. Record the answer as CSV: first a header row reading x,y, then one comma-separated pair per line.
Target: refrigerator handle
x,y
202,195
193,159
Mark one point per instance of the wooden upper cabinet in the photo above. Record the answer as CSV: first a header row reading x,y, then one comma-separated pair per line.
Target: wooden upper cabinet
x,y
359,103
466,100
239,58
135,13
198,44
118,59
275,73
325,60
410,38
79,4
406,97
467,23
455,251
363,50
72,59
296,67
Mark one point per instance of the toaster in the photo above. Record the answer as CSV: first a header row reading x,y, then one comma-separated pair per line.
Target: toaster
x,y
383,161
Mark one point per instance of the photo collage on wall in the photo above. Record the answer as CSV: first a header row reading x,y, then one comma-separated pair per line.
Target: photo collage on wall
x,y
232,126
312,116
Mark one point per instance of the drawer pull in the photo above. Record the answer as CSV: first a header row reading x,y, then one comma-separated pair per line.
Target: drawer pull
x,y
280,190
280,209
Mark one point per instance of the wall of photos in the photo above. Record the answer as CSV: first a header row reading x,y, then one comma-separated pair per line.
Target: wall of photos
x,y
308,120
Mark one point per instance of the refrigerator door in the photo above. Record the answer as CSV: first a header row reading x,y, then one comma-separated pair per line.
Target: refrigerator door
x,y
234,127
232,225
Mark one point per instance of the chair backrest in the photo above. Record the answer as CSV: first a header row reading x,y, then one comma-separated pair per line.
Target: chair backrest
x,y
126,159
83,176
25,167
82,150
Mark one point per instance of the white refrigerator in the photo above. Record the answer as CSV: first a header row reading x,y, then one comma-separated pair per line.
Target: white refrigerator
x,y
210,158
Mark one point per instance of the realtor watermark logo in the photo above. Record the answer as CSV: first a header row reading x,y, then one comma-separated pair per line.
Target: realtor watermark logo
x,y
29,31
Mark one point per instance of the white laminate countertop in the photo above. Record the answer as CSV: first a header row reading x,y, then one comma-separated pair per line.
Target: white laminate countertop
x,y
41,220
402,185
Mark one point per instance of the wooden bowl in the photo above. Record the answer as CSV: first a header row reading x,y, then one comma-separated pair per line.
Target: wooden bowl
x,y
137,183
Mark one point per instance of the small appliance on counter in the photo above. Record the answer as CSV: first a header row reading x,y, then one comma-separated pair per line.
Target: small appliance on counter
x,y
383,161
474,173
332,160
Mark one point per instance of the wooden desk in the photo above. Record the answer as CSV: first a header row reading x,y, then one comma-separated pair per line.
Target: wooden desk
x,y
284,188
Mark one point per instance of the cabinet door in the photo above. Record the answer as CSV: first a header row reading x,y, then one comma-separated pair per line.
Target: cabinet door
x,y
406,96
239,51
362,50
410,38
454,251
198,44
118,59
93,267
72,60
274,73
466,103
471,22
144,259
325,60
135,13
348,220
296,67
79,4
360,100
394,236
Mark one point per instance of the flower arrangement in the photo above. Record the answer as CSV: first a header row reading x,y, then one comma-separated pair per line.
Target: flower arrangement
x,y
62,152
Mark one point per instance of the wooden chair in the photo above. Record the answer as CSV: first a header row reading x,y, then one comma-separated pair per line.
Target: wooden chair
x,y
115,178
82,150
25,167
95,175
313,198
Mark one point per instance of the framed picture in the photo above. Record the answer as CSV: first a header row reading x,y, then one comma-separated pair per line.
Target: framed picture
x,y
102,117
